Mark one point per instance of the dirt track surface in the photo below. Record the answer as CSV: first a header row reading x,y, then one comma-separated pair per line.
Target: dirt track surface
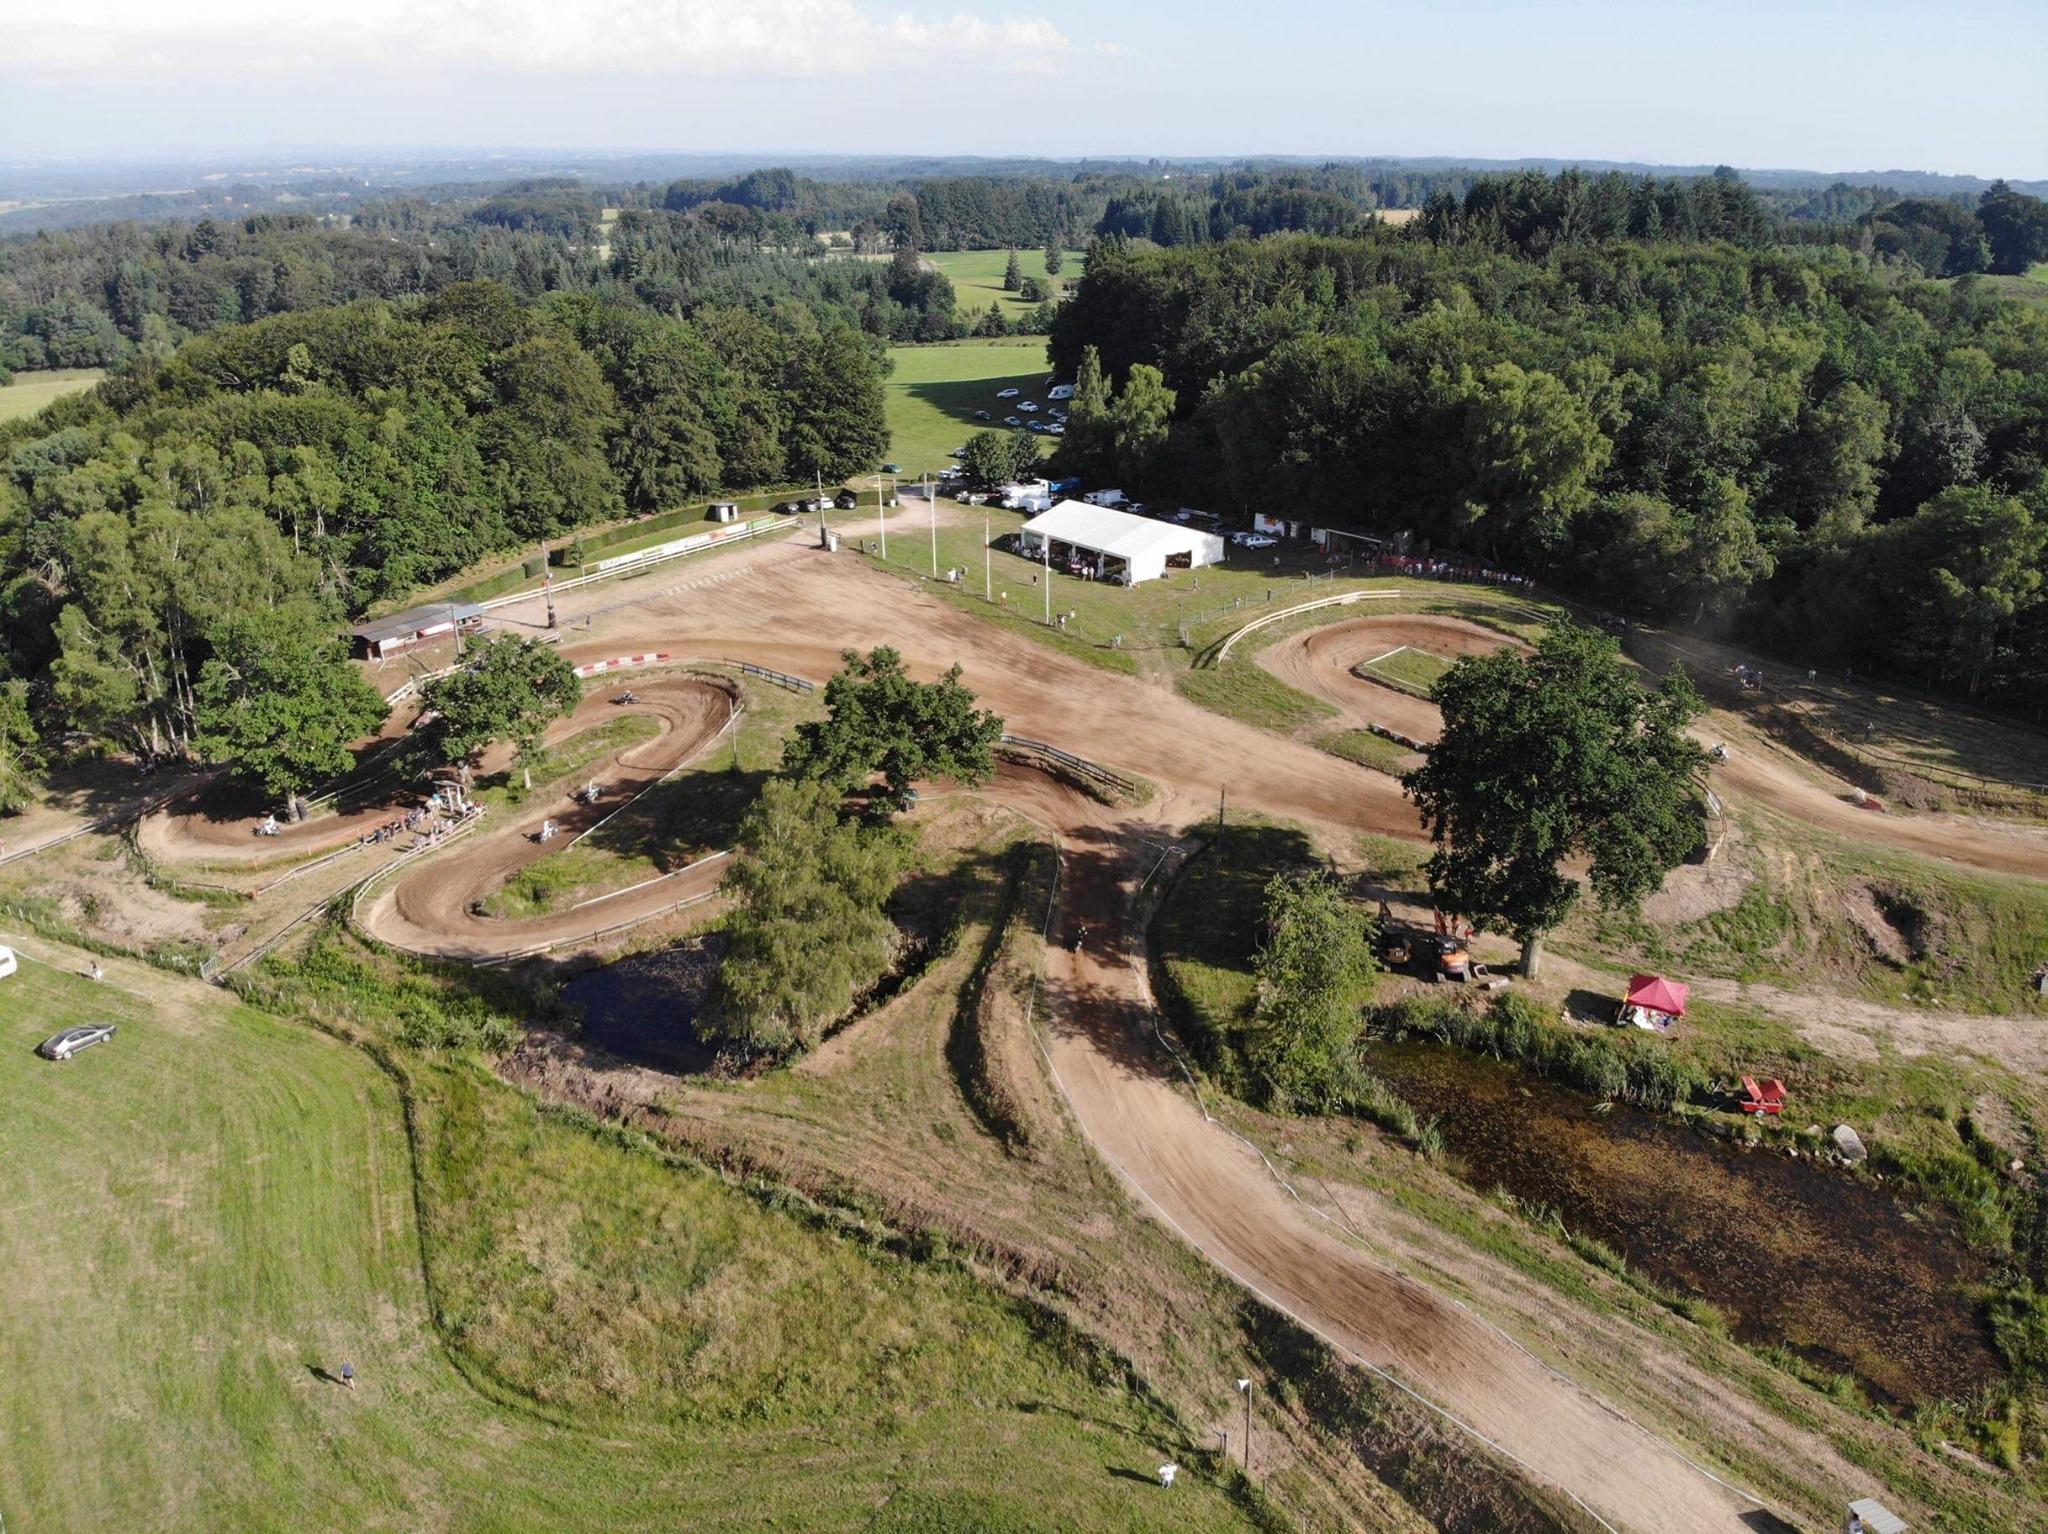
x,y
797,614
796,609
1320,661
1219,1195
431,907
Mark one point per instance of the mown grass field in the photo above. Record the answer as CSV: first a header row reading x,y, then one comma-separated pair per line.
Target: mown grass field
x,y
30,392
933,392
206,1217
977,277
1408,668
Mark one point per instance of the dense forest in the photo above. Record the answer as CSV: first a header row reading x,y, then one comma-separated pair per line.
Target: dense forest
x,y
92,297
1796,438
292,470
1696,397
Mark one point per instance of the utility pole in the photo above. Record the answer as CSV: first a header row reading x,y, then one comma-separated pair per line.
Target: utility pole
x,y
1045,547
547,586
882,516
931,500
1245,1387
988,580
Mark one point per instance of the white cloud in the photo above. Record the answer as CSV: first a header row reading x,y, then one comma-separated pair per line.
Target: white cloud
x,y
644,37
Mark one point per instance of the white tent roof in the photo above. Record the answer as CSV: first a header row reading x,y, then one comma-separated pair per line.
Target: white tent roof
x,y
1116,533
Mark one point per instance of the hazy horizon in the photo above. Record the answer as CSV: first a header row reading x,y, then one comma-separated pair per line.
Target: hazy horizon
x,y
1796,85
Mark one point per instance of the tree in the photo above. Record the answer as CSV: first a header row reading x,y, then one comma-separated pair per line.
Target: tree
x,y
512,689
807,932
2015,227
280,699
1088,446
1548,757
1013,275
1315,970
878,720
1536,450
1139,420
1053,259
995,457
21,750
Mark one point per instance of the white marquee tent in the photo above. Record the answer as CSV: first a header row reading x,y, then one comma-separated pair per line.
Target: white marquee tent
x,y
1117,544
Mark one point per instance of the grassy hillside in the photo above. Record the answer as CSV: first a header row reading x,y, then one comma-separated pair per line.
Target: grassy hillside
x,y
977,277
29,392
207,1216
934,391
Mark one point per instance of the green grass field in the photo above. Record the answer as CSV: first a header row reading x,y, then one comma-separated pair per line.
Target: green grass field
x,y
977,277
30,392
207,1216
934,391
1407,668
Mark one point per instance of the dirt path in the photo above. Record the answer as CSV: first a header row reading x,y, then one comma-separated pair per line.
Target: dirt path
x,y
1320,661
432,907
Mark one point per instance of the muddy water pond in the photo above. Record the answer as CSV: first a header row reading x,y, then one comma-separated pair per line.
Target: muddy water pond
x,y
1790,1251
640,1008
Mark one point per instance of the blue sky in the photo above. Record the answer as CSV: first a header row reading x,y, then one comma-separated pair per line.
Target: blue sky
x,y
1837,86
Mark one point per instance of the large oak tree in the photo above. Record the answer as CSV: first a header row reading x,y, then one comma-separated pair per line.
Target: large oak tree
x,y
1550,758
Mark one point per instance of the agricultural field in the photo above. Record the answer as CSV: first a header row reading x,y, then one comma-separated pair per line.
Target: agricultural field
x,y
620,1331
29,392
933,392
977,277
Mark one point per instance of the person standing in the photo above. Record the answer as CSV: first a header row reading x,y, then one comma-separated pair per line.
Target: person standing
x,y
348,1376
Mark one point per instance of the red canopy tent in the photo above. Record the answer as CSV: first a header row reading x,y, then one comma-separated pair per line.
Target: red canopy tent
x,y
1657,994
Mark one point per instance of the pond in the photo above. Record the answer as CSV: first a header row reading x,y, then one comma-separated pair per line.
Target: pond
x,y
640,1008
1790,1251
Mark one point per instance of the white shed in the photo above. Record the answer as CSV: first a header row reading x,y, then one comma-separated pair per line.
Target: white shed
x,y
1117,545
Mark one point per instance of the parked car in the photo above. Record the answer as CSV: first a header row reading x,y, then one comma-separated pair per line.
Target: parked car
x,y
788,508
1060,391
958,452
1057,430
1258,540
846,500
1008,393
892,468
62,1046
1028,408
1013,420
8,963
951,471
981,415
1035,426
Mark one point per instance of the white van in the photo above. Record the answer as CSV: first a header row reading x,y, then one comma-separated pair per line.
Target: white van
x,y
1060,391
8,963
1105,498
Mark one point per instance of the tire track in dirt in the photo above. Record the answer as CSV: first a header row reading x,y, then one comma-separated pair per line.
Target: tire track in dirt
x,y
432,907
1319,662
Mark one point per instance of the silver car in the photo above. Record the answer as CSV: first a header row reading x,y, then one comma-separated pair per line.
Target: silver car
x,y
62,1046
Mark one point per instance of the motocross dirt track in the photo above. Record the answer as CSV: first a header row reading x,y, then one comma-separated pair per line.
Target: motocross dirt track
x,y
430,907
796,609
1320,661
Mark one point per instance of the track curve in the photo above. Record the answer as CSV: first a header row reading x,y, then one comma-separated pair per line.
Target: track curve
x,y
431,905
1320,662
